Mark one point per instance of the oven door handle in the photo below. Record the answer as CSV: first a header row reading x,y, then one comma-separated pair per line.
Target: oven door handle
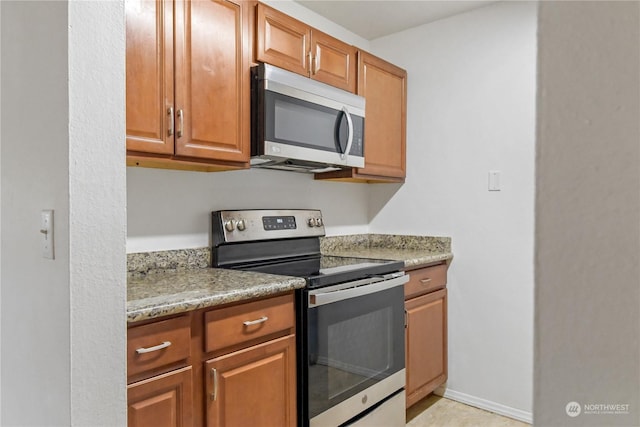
x,y
340,292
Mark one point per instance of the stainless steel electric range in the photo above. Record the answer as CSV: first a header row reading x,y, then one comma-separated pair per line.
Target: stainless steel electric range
x,y
350,315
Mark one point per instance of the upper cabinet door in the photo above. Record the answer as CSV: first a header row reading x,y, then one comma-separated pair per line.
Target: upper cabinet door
x,y
282,41
384,87
294,46
212,80
149,99
334,62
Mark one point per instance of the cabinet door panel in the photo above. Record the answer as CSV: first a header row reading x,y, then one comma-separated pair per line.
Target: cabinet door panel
x,y
149,85
384,87
334,62
253,387
162,401
212,80
282,41
426,344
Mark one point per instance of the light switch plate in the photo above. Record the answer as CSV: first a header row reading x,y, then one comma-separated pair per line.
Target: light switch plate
x,y
46,232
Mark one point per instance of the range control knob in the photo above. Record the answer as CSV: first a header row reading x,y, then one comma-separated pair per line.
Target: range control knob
x,y
241,225
314,222
230,225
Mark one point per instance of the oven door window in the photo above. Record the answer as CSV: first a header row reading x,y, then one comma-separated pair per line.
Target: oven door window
x,y
301,123
353,344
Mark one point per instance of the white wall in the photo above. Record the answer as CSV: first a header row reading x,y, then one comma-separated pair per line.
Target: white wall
x,y
0,216
35,291
587,265
171,209
471,109
63,329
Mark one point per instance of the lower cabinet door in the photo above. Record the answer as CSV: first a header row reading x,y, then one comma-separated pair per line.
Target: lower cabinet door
x,y
426,344
253,387
162,401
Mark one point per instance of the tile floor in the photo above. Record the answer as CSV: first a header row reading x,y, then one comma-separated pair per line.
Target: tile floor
x,y
436,411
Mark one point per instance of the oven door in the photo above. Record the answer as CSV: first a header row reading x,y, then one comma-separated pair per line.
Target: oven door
x,y
354,348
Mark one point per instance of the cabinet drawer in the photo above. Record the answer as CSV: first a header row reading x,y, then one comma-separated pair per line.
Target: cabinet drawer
x,y
250,321
426,279
158,344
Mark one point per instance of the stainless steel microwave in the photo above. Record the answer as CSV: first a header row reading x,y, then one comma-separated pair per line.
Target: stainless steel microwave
x,y
302,125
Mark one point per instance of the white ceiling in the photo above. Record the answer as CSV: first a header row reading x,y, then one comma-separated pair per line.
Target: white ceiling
x,y
373,19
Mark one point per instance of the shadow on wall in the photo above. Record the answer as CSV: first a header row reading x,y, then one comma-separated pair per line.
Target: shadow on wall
x,y
379,196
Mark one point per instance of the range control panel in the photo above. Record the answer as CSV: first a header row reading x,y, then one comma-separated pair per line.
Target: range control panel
x,y
259,224
279,222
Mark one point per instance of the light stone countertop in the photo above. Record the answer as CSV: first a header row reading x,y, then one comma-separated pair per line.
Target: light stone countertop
x,y
172,282
415,251
164,293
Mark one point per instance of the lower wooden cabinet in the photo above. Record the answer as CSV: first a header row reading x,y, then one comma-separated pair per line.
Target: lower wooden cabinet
x,y
226,366
253,387
426,337
161,401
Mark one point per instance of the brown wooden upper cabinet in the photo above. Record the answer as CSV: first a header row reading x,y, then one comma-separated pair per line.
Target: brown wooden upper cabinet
x,y
384,87
293,45
188,83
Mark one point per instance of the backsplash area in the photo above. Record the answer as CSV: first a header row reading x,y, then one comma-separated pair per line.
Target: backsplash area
x,y
143,263
163,216
387,241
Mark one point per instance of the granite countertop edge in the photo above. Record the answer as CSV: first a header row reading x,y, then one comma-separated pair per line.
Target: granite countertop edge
x,y
411,259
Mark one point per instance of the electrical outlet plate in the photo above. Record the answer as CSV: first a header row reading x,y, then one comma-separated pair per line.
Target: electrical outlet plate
x,y
494,180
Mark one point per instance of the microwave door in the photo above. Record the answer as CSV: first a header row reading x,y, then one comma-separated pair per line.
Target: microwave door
x,y
293,127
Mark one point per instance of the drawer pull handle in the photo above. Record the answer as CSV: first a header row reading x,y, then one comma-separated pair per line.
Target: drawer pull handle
x,y
143,350
255,322
425,281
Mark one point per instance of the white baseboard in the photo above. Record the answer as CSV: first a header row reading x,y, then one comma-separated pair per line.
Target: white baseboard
x,y
487,405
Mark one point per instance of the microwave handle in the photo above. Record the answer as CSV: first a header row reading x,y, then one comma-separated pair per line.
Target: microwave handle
x,y
344,155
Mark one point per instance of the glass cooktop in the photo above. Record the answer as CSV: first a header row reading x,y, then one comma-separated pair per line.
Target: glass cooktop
x,y
328,270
